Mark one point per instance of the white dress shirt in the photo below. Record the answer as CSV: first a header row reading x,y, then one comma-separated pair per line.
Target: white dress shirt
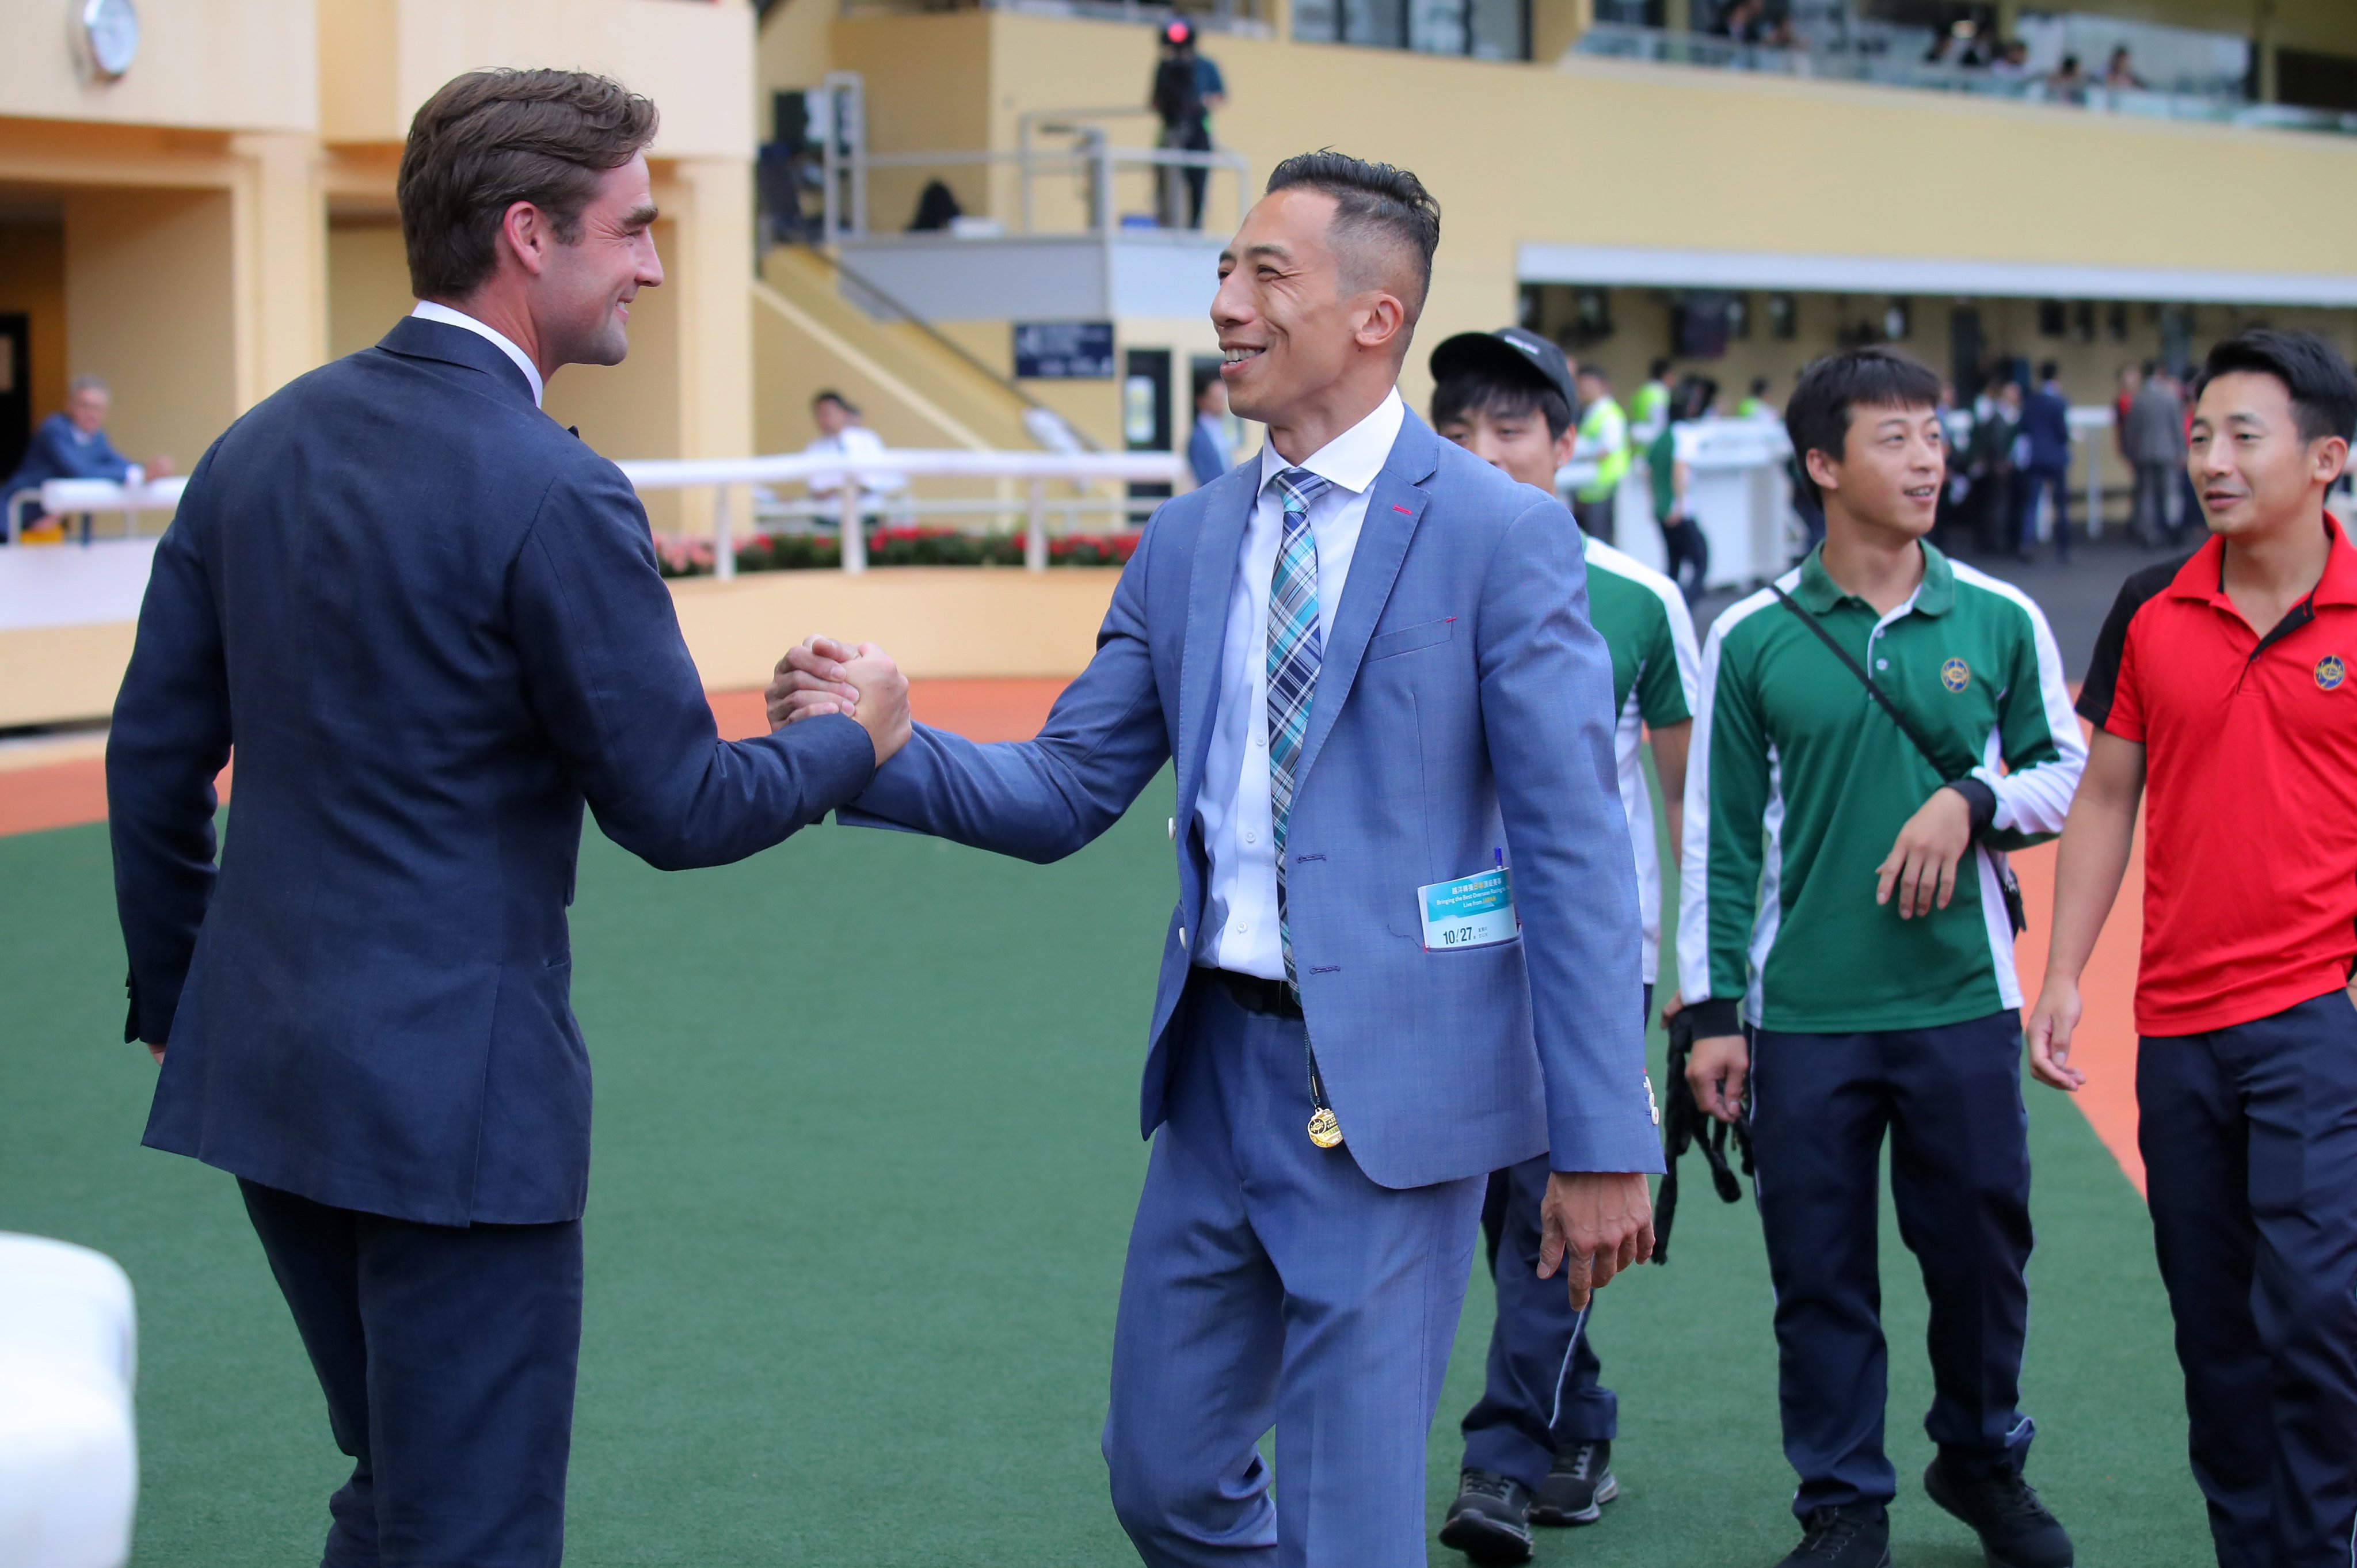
x,y
450,318
852,441
1232,806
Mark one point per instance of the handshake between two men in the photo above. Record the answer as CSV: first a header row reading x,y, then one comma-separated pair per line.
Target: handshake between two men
x,y
826,676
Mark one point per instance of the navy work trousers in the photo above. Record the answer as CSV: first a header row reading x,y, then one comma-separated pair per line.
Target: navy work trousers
x,y
1542,1394
447,1355
1949,1097
2249,1137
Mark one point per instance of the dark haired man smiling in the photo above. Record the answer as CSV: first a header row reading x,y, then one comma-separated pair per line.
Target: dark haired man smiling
x,y
1844,894
431,619
1369,655
2222,688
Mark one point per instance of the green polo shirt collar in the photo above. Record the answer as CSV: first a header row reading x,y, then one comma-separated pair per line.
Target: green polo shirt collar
x,y
1934,595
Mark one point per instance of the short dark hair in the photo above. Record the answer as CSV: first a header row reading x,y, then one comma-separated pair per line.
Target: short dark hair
x,y
1501,397
1818,417
1658,368
836,398
2047,371
2323,388
492,138
1371,200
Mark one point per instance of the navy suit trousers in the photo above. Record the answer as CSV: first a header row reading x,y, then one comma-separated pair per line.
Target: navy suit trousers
x,y
1270,1282
1949,1097
2249,1137
448,1356
1543,1393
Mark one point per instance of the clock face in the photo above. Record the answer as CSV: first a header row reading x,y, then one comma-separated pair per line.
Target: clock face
x,y
110,28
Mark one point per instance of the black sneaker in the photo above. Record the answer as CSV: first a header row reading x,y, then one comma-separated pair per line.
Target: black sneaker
x,y
1855,1537
1489,1520
1577,1487
2003,1510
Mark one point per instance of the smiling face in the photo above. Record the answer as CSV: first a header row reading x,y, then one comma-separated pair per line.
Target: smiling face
x,y
1888,477
582,296
2254,470
1298,321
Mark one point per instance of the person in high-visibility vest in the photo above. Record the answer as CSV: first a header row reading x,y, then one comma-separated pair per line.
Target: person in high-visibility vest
x,y
1649,409
1604,440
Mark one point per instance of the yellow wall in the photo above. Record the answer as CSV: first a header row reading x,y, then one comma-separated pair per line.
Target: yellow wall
x,y
368,284
216,64
379,59
33,280
149,277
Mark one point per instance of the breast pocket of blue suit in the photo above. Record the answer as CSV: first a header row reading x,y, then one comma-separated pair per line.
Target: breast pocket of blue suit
x,y
1410,639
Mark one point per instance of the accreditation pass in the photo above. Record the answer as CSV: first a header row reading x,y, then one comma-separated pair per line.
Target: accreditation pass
x,y
1471,912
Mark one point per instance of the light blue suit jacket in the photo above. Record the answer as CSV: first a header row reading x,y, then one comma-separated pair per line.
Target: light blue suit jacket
x,y
1465,704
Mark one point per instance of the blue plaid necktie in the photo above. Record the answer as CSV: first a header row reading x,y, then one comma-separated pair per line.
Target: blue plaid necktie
x,y
1295,648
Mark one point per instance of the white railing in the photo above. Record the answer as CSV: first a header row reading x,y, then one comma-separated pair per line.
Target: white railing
x,y
1036,470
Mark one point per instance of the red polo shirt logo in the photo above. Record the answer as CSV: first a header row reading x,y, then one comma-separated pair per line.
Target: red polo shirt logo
x,y
2250,844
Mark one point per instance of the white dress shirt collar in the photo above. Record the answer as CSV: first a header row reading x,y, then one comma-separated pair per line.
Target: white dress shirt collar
x,y
450,318
1352,460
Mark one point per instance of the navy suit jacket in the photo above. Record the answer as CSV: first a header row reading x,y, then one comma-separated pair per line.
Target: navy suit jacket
x,y
1464,704
429,619
2046,420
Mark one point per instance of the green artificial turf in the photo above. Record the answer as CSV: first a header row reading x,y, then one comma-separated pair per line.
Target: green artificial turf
x,y
865,1159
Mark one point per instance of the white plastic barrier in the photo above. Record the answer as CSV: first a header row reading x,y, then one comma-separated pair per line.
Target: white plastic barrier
x,y
68,1455
1738,490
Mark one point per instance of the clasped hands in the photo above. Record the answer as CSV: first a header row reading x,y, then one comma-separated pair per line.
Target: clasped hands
x,y
826,676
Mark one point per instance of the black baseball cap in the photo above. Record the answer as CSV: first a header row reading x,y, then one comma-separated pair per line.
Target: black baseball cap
x,y
1510,349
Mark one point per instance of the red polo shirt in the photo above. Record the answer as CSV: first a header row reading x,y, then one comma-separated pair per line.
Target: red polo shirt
x,y
2249,890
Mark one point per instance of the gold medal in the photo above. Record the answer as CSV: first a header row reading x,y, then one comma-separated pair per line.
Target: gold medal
x,y
1324,1131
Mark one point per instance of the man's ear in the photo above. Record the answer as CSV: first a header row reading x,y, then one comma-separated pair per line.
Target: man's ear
x,y
1566,443
525,233
2329,457
1383,318
1824,469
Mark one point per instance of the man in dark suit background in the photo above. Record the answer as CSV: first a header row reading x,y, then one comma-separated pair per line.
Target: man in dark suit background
x,y
431,619
2046,464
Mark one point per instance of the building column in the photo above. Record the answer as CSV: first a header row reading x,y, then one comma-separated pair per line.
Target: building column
x,y
712,268
279,261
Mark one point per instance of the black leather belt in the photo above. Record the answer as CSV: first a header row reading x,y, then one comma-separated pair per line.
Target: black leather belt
x,y
1255,994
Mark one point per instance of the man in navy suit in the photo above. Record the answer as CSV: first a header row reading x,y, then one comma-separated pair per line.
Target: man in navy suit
x,y
431,620
1368,654
2045,467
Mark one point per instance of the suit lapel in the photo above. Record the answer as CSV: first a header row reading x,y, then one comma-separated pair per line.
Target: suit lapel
x,y
1210,590
1394,503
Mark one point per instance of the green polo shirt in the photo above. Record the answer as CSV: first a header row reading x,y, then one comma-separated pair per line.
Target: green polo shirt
x,y
1798,783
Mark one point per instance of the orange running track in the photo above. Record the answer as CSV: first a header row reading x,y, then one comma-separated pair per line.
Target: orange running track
x,y
63,794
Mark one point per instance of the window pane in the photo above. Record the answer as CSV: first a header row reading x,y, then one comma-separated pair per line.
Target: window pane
x,y
1497,28
1436,27
1314,19
1378,22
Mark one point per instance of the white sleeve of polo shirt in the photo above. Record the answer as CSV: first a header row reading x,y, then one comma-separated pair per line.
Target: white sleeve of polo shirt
x,y
2037,798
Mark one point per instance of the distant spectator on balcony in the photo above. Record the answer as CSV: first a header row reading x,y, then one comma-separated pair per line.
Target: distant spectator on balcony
x,y
2012,61
1187,89
2155,440
72,444
842,435
1209,452
2120,74
2068,83
1745,22
1959,46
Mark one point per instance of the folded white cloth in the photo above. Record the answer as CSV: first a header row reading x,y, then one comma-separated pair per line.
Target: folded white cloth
x,y
69,1454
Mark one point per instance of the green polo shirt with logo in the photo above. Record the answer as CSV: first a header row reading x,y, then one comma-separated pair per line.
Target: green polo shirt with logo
x,y
1798,782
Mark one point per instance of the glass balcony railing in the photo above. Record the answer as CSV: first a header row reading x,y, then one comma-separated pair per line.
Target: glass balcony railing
x,y
1614,41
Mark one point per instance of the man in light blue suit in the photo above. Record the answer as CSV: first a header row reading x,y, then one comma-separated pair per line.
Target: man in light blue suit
x,y
1370,657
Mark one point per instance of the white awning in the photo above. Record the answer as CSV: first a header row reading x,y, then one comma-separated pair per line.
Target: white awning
x,y
1650,267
